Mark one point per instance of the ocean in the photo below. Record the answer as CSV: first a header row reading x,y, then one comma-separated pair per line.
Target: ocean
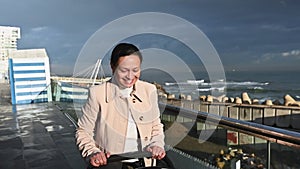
x,y
272,85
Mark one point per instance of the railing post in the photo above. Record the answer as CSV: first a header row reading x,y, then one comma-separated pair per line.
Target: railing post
x,y
269,155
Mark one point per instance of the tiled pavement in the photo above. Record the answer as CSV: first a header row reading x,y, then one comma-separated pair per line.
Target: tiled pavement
x,y
37,136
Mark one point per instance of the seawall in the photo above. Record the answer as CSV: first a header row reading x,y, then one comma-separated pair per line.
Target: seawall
x,y
273,115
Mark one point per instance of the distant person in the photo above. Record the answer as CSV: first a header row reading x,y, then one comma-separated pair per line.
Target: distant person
x,y
121,115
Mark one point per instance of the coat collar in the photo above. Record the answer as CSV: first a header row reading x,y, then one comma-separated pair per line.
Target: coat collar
x,y
112,91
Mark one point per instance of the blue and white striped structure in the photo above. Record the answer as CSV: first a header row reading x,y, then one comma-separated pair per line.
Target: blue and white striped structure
x,y
30,80
67,92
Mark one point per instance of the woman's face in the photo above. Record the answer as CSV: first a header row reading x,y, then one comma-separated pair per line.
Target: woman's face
x,y
128,70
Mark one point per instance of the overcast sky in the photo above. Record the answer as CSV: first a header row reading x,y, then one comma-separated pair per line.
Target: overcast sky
x,y
247,34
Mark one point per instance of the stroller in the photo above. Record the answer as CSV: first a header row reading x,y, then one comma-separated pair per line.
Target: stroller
x,y
164,163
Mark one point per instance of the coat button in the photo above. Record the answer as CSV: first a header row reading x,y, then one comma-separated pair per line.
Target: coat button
x,y
141,118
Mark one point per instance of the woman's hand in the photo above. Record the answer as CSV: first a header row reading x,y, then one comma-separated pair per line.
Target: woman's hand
x,y
99,159
157,152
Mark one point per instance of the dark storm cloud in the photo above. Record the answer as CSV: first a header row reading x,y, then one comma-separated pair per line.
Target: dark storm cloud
x,y
246,34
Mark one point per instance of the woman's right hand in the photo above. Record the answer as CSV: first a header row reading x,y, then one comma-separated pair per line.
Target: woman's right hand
x,y
99,159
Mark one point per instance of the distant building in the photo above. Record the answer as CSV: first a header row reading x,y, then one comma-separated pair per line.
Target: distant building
x,y
29,73
8,43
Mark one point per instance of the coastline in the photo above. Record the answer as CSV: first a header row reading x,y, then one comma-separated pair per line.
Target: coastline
x,y
260,85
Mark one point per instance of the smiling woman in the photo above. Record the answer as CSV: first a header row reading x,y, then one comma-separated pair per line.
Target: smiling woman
x,y
121,115
127,69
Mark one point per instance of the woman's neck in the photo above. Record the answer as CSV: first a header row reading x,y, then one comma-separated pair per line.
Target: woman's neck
x,y
124,91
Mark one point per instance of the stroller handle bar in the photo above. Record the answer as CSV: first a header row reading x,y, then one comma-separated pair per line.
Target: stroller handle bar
x,y
130,155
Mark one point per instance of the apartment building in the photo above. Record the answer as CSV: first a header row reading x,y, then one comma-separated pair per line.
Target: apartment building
x,y
8,42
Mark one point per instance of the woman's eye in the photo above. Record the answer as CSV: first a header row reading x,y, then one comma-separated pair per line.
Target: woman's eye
x,y
136,70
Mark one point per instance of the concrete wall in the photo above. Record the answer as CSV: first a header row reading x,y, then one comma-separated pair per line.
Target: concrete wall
x,y
275,115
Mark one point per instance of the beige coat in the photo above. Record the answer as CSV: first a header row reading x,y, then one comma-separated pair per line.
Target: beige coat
x,y
103,124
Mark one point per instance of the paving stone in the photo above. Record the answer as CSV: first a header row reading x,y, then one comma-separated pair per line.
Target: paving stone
x,y
37,136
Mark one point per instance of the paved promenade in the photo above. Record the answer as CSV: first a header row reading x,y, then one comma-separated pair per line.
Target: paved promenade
x,y
36,136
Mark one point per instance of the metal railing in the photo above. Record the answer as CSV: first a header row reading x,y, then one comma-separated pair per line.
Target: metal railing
x,y
269,136
273,145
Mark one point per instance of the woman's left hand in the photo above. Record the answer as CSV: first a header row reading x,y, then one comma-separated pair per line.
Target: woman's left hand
x,y
157,152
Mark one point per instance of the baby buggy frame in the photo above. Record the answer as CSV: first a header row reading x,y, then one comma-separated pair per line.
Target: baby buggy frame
x,y
164,163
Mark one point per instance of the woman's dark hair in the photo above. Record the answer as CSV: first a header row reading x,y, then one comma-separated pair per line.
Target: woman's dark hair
x,y
121,50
